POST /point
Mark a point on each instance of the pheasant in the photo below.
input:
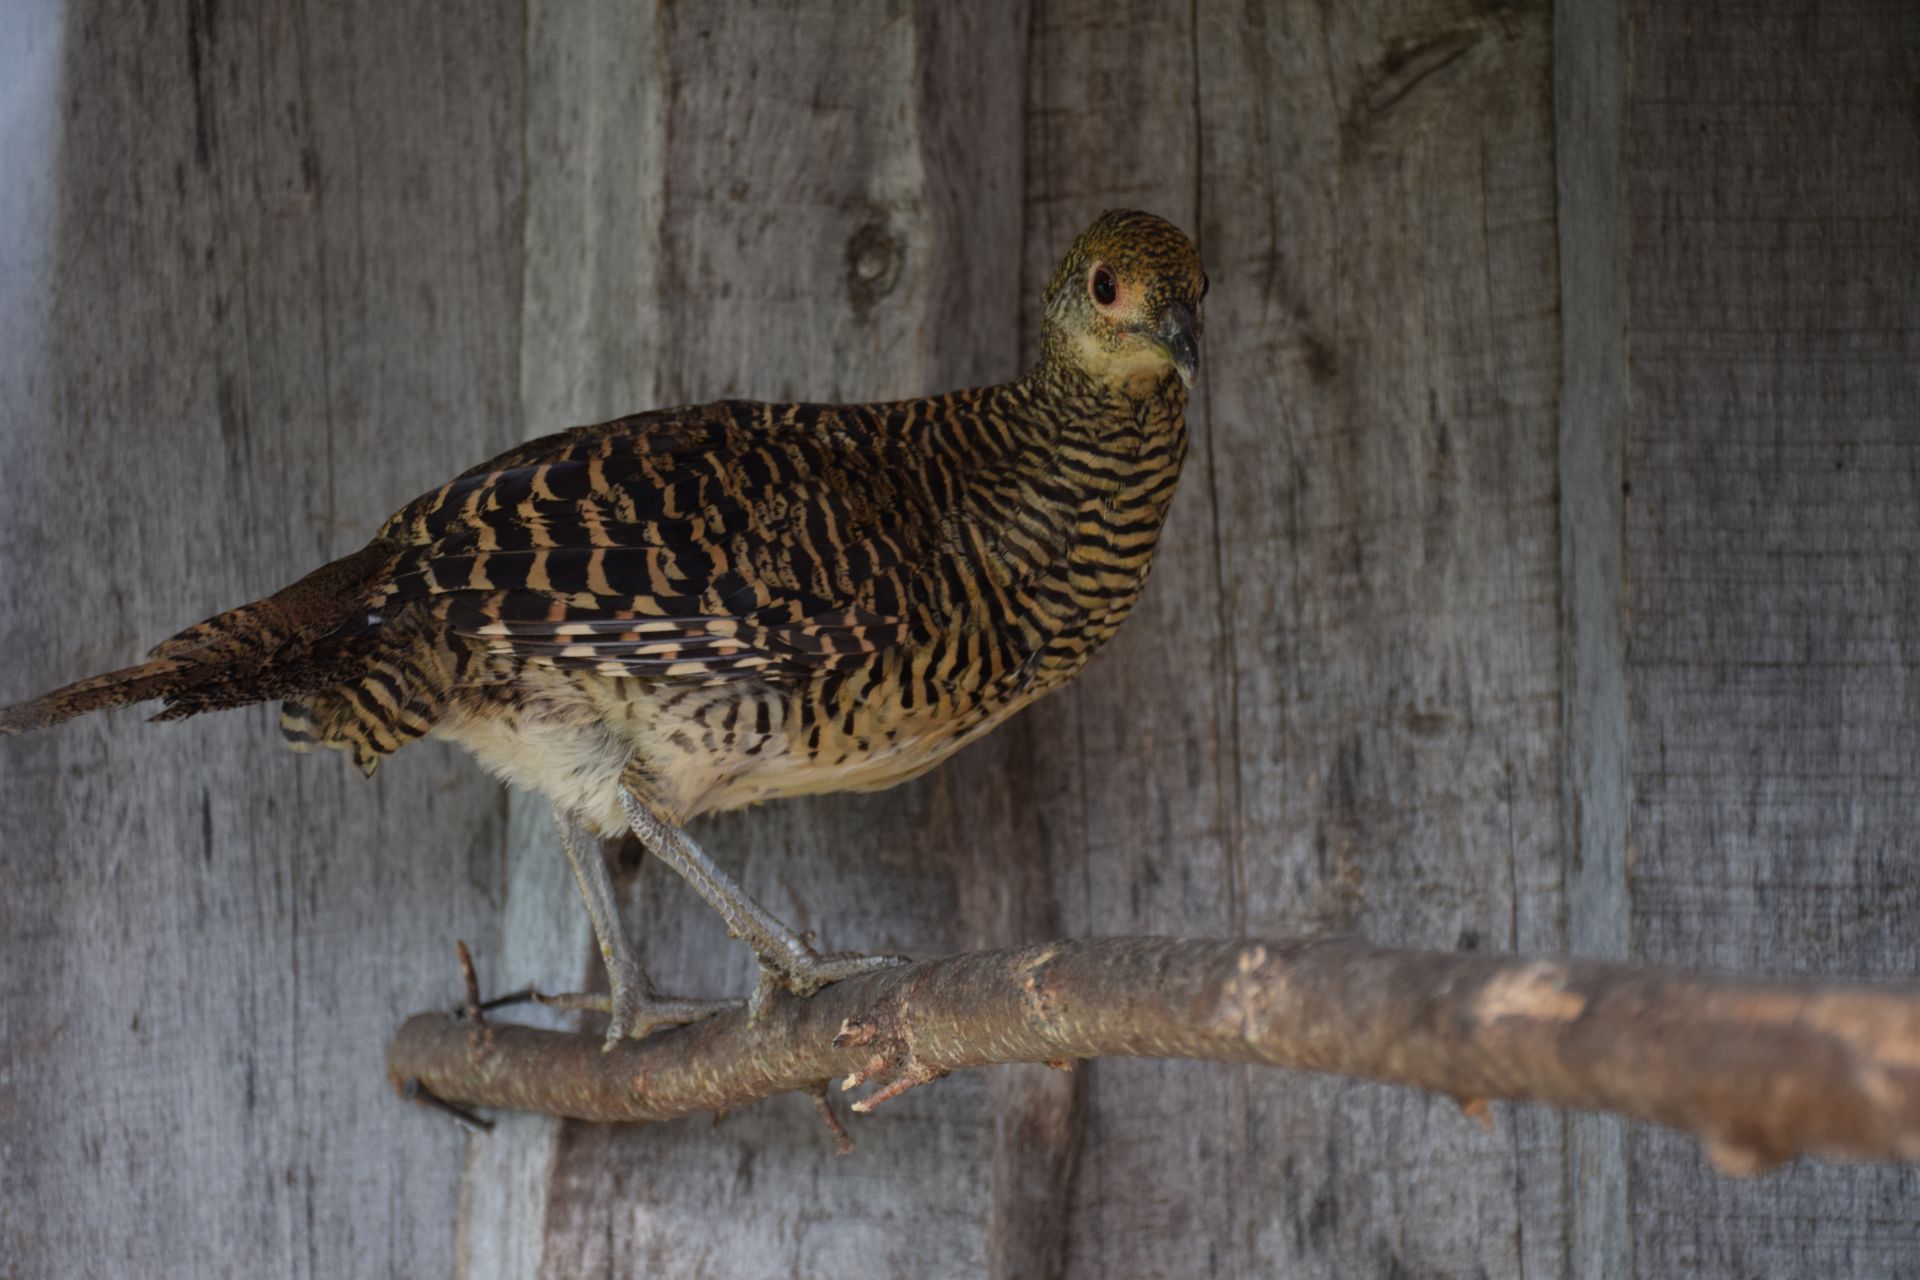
(695, 609)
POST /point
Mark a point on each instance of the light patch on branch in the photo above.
(1537, 991)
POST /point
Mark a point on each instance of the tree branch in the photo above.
(1760, 1070)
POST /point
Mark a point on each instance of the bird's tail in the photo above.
(161, 678)
(289, 643)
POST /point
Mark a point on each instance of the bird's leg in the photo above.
(786, 960)
(632, 1007)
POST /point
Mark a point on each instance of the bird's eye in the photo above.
(1105, 287)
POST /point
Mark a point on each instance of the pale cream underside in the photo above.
(571, 737)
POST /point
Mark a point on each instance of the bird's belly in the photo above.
(866, 734)
(872, 766)
(577, 739)
(553, 741)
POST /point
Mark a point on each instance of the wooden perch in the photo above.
(1760, 1070)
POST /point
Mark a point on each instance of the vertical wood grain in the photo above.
(1383, 358)
(804, 203)
(590, 332)
(283, 293)
(1774, 459)
(1130, 764)
(1590, 126)
(1474, 265)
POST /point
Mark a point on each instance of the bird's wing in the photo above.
(716, 543)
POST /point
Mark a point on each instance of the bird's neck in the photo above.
(1071, 510)
(1120, 431)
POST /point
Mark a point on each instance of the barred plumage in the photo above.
(699, 608)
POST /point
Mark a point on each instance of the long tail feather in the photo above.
(292, 642)
(161, 678)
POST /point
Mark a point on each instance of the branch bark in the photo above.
(1760, 1070)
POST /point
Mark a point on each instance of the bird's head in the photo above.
(1124, 308)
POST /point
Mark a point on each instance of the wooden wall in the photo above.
(1773, 560)
(1543, 577)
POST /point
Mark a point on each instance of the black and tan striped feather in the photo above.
(963, 551)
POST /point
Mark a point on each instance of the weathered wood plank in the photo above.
(283, 296)
(816, 203)
(1774, 459)
(590, 322)
(1129, 771)
(1590, 161)
(282, 291)
(1378, 214)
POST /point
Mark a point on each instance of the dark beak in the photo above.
(1179, 333)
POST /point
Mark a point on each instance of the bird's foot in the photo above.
(632, 1008)
(802, 971)
(788, 961)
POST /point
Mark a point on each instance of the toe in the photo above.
(803, 976)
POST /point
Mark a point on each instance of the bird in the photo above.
(696, 609)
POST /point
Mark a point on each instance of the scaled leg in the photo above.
(632, 1007)
(786, 960)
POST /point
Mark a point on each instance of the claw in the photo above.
(804, 972)
(632, 1009)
